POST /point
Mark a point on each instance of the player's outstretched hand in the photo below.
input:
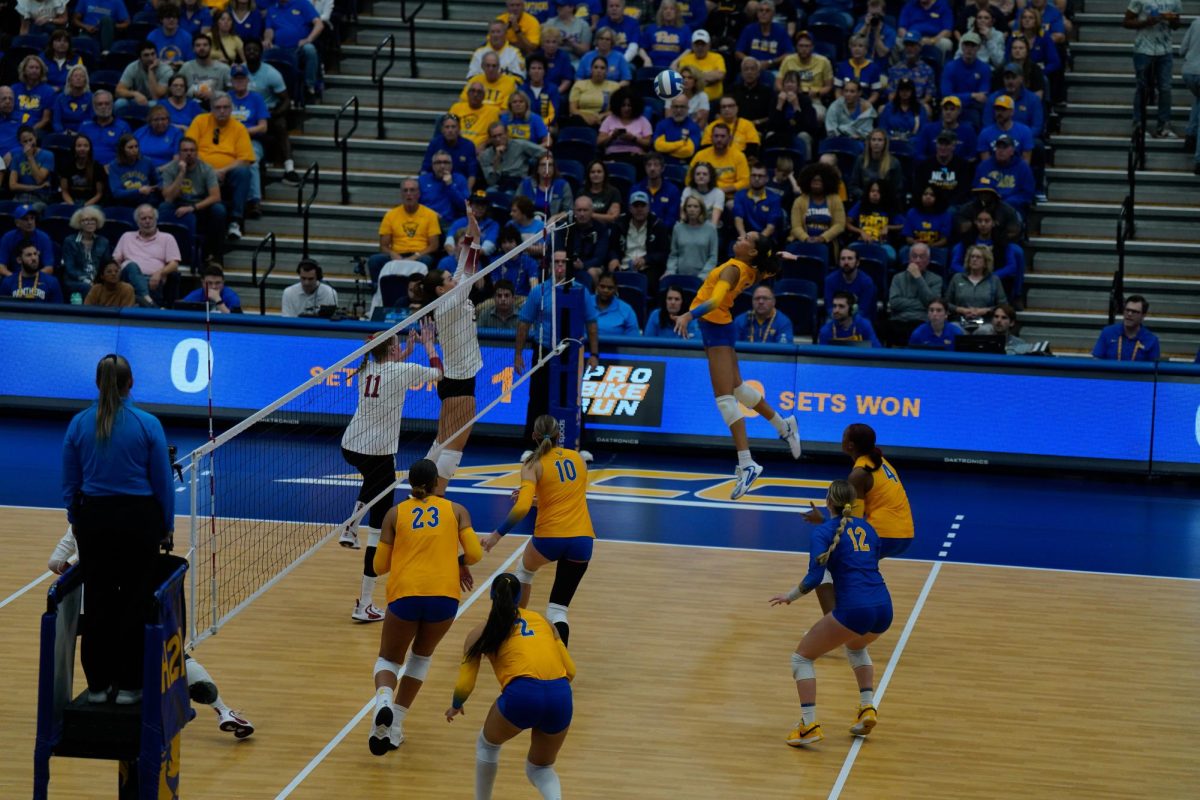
(453, 712)
(813, 515)
(489, 541)
(780, 599)
(681, 324)
(465, 579)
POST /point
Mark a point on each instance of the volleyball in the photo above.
(668, 83)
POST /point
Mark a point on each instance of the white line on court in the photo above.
(362, 712)
(31, 585)
(848, 764)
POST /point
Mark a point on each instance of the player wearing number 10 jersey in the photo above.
(370, 441)
(563, 531)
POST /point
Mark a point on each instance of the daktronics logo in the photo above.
(629, 393)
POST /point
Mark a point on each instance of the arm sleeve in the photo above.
(568, 662)
(470, 545)
(719, 291)
(382, 563)
(468, 673)
(519, 509)
(819, 544)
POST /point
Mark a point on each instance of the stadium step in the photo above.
(1108, 57)
(408, 124)
(1112, 151)
(1098, 255)
(1080, 184)
(1058, 292)
(1156, 222)
(441, 63)
(1106, 119)
(1099, 87)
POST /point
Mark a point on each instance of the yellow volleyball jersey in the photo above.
(530, 651)
(886, 504)
(425, 552)
(562, 496)
(746, 276)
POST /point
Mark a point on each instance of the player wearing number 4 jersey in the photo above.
(563, 531)
(847, 546)
(418, 550)
(455, 319)
(370, 441)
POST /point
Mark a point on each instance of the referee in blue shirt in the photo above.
(120, 499)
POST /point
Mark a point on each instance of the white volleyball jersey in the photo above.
(382, 388)
(455, 318)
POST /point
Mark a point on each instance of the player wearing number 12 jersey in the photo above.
(370, 441)
(563, 531)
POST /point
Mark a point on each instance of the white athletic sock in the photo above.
(219, 706)
(289, 165)
(545, 780)
(778, 424)
(744, 459)
(357, 520)
(383, 697)
(485, 771)
(866, 696)
(400, 711)
(808, 713)
(368, 588)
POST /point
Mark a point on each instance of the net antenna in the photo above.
(278, 485)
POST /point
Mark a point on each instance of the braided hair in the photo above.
(841, 497)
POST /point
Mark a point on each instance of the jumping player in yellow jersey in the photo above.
(884, 502)
(534, 670)
(753, 260)
(563, 531)
(418, 550)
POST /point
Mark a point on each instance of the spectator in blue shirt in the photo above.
(195, 17)
(928, 220)
(26, 232)
(615, 317)
(765, 39)
(627, 35)
(132, 179)
(880, 36)
(444, 190)
(295, 25)
(664, 195)
(172, 41)
(10, 120)
(248, 22)
(103, 129)
(101, 19)
(489, 229)
(73, 106)
(933, 20)
(30, 174)
(158, 139)
(28, 282)
(120, 499)
(677, 136)
(849, 278)
(1011, 176)
(1128, 340)
(693, 13)
(845, 324)
(461, 150)
(214, 292)
(250, 109)
(618, 68)
(1027, 106)
(951, 120)
(34, 96)
(936, 332)
(519, 270)
(912, 67)
(1003, 123)
(968, 78)
(661, 322)
(755, 208)
(667, 38)
(560, 72)
(867, 71)
(544, 97)
(763, 322)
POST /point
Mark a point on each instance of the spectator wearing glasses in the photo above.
(763, 322)
(224, 144)
(845, 324)
(677, 136)
(213, 291)
(103, 130)
(745, 136)
(756, 209)
(409, 232)
(295, 25)
(1129, 339)
(462, 151)
(154, 256)
(474, 116)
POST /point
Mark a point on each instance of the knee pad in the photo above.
(523, 575)
(201, 687)
(727, 404)
(566, 581)
(802, 668)
(383, 665)
(417, 667)
(747, 395)
(858, 658)
(556, 613)
(447, 463)
(373, 535)
(485, 751)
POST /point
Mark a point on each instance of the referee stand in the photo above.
(143, 738)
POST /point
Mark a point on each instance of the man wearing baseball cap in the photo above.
(26, 232)
(1020, 135)
(640, 242)
(1011, 176)
(985, 197)
(710, 65)
(931, 20)
(1027, 106)
(968, 78)
(947, 172)
(964, 132)
(250, 109)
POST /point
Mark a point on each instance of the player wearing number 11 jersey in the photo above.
(563, 531)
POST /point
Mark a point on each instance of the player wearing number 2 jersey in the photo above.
(418, 550)
(370, 441)
(563, 531)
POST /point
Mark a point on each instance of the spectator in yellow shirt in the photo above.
(474, 115)
(524, 32)
(816, 73)
(409, 232)
(745, 135)
(224, 145)
(710, 65)
(496, 85)
(733, 171)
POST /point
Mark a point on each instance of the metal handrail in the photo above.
(377, 77)
(445, 9)
(262, 285)
(303, 206)
(343, 143)
(1116, 292)
(411, 21)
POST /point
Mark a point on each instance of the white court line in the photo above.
(848, 764)
(31, 585)
(362, 712)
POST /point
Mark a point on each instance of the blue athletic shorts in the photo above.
(424, 609)
(572, 548)
(893, 547)
(872, 619)
(716, 334)
(533, 703)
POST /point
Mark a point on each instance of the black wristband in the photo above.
(462, 559)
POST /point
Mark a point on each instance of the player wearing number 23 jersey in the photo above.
(424, 557)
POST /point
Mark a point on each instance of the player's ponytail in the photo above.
(429, 285)
(841, 497)
(423, 478)
(506, 597)
(862, 437)
(545, 433)
(377, 353)
(766, 261)
(114, 378)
